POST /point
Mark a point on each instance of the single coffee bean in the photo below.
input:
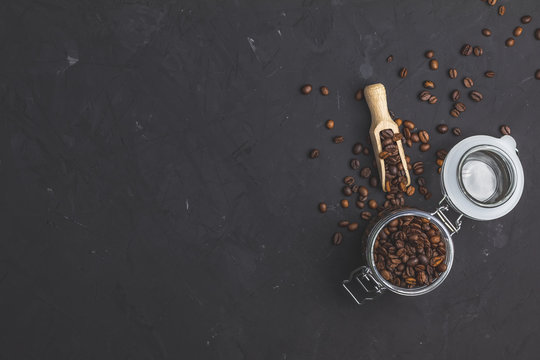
(429, 84)
(323, 207)
(492, 2)
(455, 95)
(459, 106)
(410, 190)
(489, 74)
(442, 128)
(424, 95)
(433, 64)
(421, 181)
(439, 162)
(415, 138)
(517, 31)
(306, 89)
(359, 94)
(348, 180)
(353, 226)
(373, 181)
(478, 51)
(337, 238)
(330, 124)
(428, 196)
(432, 99)
(441, 153)
(418, 168)
(344, 203)
(424, 136)
(526, 19)
(476, 96)
(365, 172)
(466, 50)
(324, 91)
(372, 204)
(363, 191)
(425, 147)
(347, 191)
(502, 10)
(357, 148)
(537, 34)
(429, 54)
(397, 137)
(355, 164)
(510, 42)
(338, 139)
(360, 204)
(468, 82)
(355, 188)
(407, 133)
(454, 113)
(384, 154)
(365, 151)
(452, 73)
(409, 124)
(403, 73)
(389, 59)
(486, 32)
(343, 223)
(398, 121)
(423, 190)
(537, 74)
(456, 131)
(366, 215)
(505, 130)
(313, 154)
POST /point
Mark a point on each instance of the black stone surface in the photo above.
(158, 202)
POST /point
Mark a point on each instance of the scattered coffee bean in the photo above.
(415, 138)
(357, 148)
(425, 147)
(365, 151)
(421, 181)
(398, 121)
(456, 131)
(424, 136)
(441, 153)
(452, 73)
(329, 124)
(363, 191)
(418, 168)
(476, 96)
(360, 204)
(505, 130)
(442, 128)
(403, 73)
(324, 91)
(468, 82)
(323, 207)
(537, 34)
(353, 226)
(428, 195)
(313, 154)
(424, 95)
(372, 204)
(478, 51)
(510, 42)
(486, 32)
(439, 162)
(355, 164)
(429, 54)
(348, 180)
(537, 74)
(517, 31)
(410, 190)
(502, 10)
(466, 50)
(455, 95)
(454, 113)
(373, 181)
(492, 2)
(347, 191)
(365, 172)
(432, 99)
(389, 59)
(337, 238)
(429, 84)
(489, 74)
(306, 89)
(343, 223)
(366, 215)
(433, 64)
(338, 139)
(459, 106)
(409, 124)
(526, 19)
(344, 203)
(355, 188)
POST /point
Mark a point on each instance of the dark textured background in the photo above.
(158, 203)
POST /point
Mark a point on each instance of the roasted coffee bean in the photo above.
(343, 223)
(329, 124)
(366, 215)
(408, 142)
(337, 238)
(441, 267)
(353, 226)
(510, 42)
(436, 260)
(537, 34)
(452, 73)
(344, 203)
(313, 154)
(410, 190)
(322, 207)
(454, 113)
(526, 19)
(441, 153)
(365, 151)
(424, 136)
(423, 190)
(389, 59)
(455, 95)
(360, 204)
(442, 128)
(424, 95)
(476, 96)
(403, 73)
(415, 138)
(492, 2)
(433, 64)
(363, 191)
(429, 54)
(372, 204)
(456, 131)
(357, 148)
(517, 31)
(478, 51)
(502, 10)
(384, 154)
(355, 164)
(324, 91)
(338, 139)
(398, 121)
(397, 137)
(306, 89)
(409, 125)
(489, 74)
(373, 181)
(537, 74)
(432, 99)
(468, 82)
(486, 32)
(466, 50)
(365, 172)
(428, 84)
(425, 147)
(428, 196)
(505, 129)
(439, 162)
(347, 191)
(459, 106)
(359, 94)
(355, 188)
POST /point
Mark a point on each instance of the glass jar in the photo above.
(481, 179)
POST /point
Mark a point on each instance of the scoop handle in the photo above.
(376, 99)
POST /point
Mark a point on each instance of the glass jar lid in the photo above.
(482, 177)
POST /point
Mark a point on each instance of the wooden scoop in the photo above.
(380, 120)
